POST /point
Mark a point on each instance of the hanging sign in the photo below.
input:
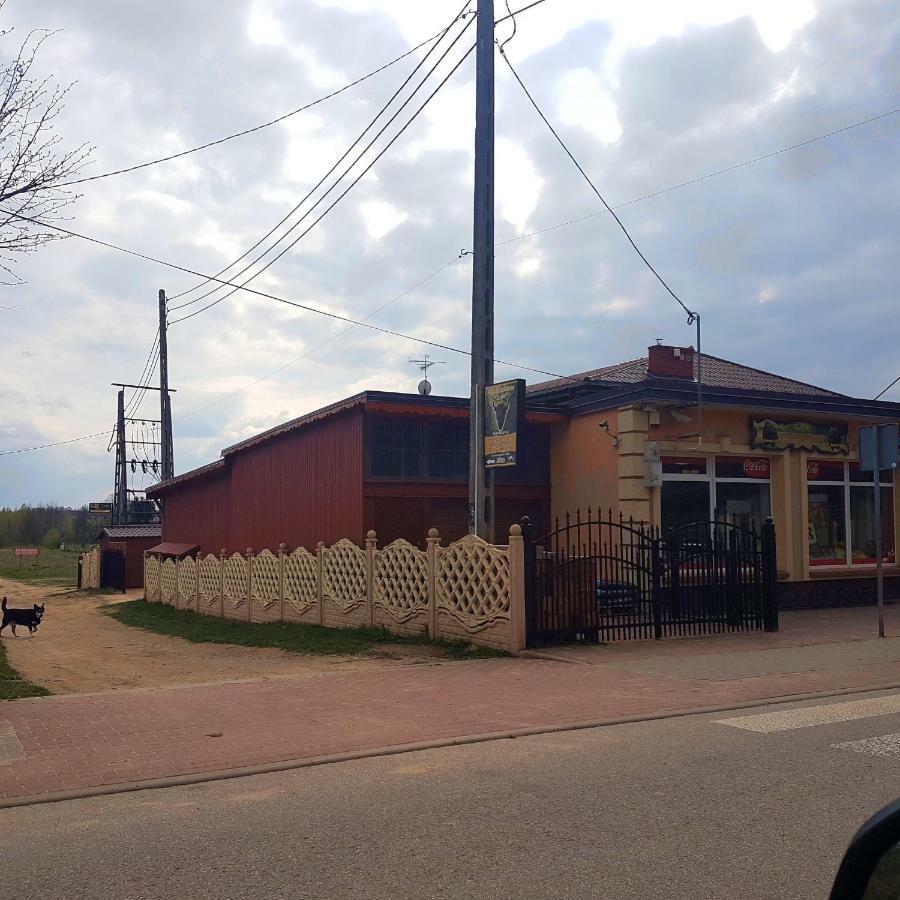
(504, 414)
(822, 437)
(101, 508)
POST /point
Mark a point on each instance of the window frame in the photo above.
(847, 484)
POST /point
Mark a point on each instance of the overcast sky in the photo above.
(792, 261)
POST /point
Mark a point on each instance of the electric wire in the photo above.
(690, 314)
(879, 396)
(328, 209)
(260, 127)
(340, 177)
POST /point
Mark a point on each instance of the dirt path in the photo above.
(78, 649)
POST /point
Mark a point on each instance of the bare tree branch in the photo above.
(32, 164)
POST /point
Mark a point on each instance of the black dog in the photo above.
(28, 617)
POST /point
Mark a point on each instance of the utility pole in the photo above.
(120, 492)
(165, 403)
(481, 481)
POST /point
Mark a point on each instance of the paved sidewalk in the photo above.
(82, 741)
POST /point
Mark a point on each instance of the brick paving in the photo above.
(82, 741)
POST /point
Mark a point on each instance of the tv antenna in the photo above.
(424, 364)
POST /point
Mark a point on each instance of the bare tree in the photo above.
(34, 169)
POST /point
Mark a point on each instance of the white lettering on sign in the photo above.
(756, 467)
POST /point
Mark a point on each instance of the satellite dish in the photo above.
(424, 387)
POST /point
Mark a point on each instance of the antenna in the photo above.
(424, 364)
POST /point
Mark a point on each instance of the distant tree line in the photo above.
(46, 526)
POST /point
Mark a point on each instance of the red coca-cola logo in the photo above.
(756, 467)
(813, 469)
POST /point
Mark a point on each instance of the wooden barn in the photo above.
(396, 463)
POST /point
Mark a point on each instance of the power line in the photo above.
(706, 177)
(321, 344)
(340, 197)
(337, 182)
(878, 396)
(84, 437)
(690, 314)
(237, 134)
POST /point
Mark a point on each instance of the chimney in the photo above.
(671, 362)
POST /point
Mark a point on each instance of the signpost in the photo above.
(27, 553)
(504, 412)
(878, 449)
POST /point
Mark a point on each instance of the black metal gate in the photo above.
(603, 579)
(112, 569)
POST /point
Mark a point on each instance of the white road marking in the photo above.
(11, 747)
(809, 716)
(885, 746)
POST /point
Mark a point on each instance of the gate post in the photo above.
(770, 576)
(529, 575)
(656, 572)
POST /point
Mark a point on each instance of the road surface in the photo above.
(753, 804)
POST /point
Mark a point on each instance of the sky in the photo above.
(791, 260)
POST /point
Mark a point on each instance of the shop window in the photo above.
(683, 465)
(827, 527)
(684, 502)
(841, 510)
(743, 504)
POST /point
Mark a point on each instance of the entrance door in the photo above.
(683, 503)
(112, 570)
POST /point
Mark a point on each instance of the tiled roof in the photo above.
(119, 532)
(716, 373)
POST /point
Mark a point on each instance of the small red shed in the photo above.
(131, 541)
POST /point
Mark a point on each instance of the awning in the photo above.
(169, 548)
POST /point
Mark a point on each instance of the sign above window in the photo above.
(742, 467)
(821, 437)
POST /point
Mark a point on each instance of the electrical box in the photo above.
(652, 465)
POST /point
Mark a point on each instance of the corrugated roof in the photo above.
(119, 532)
(717, 372)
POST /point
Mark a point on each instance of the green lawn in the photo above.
(12, 685)
(292, 637)
(52, 567)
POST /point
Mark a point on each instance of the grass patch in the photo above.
(293, 637)
(54, 567)
(12, 685)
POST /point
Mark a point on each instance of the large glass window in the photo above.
(684, 502)
(841, 512)
(741, 503)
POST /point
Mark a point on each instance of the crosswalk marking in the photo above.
(885, 746)
(809, 716)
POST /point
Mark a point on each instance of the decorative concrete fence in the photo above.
(469, 590)
(89, 569)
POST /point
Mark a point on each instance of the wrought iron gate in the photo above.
(603, 579)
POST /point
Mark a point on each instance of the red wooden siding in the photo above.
(301, 488)
(134, 556)
(196, 512)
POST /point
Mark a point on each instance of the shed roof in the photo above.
(172, 548)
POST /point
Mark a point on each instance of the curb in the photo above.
(397, 749)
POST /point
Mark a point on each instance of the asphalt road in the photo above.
(689, 807)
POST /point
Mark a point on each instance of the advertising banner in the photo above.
(504, 414)
(821, 437)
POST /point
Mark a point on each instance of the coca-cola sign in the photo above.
(756, 467)
(813, 469)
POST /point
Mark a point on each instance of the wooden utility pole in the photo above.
(481, 481)
(165, 403)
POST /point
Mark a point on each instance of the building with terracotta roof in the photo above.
(670, 438)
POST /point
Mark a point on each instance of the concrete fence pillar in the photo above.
(249, 584)
(431, 549)
(371, 547)
(516, 589)
(282, 552)
(320, 579)
(222, 557)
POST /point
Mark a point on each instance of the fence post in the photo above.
(517, 590)
(282, 549)
(656, 574)
(177, 583)
(223, 556)
(431, 546)
(320, 587)
(371, 545)
(770, 576)
(528, 574)
(249, 584)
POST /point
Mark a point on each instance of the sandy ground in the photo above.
(78, 649)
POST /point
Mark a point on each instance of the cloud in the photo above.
(789, 260)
